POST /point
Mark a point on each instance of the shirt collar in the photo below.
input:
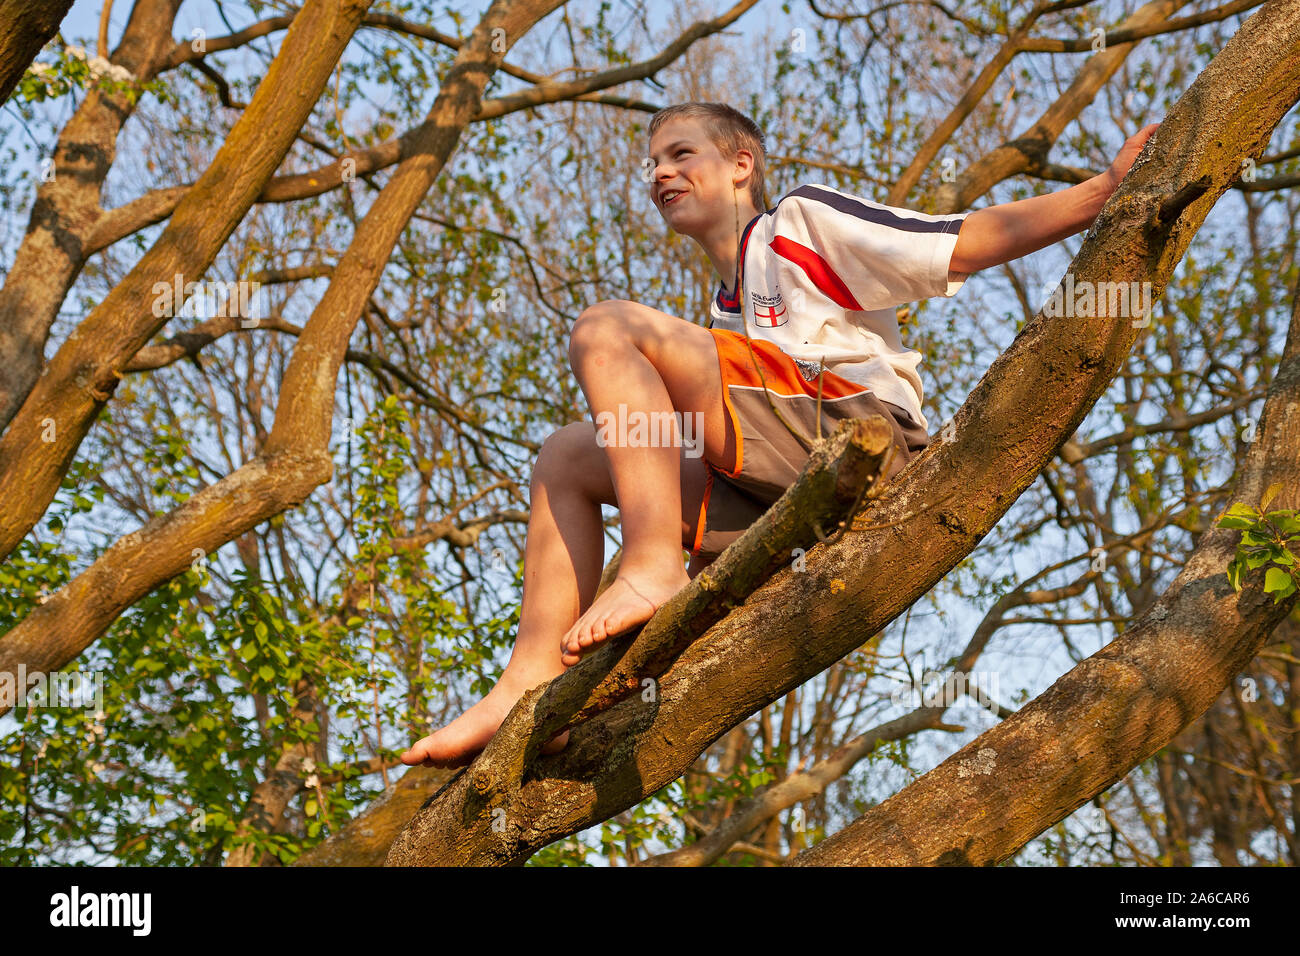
(731, 302)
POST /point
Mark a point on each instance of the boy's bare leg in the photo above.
(634, 360)
(563, 559)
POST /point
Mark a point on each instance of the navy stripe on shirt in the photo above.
(874, 214)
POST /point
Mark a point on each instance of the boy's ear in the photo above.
(746, 158)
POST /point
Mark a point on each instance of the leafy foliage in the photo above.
(1271, 538)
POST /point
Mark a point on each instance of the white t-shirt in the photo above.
(822, 272)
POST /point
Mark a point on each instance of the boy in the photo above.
(814, 283)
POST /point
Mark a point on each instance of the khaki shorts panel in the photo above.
(773, 457)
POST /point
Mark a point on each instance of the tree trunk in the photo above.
(66, 211)
(44, 435)
(25, 27)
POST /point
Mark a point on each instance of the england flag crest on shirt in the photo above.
(769, 310)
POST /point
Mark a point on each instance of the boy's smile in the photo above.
(689, 172)
(698, 191)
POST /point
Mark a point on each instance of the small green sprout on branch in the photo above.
(1272, 538)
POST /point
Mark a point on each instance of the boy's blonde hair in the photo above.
(731, 131)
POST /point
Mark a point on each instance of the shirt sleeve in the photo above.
(862, 254)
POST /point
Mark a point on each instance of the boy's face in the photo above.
(692, 184)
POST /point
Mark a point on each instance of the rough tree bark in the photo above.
(921, 526)
(25, 27)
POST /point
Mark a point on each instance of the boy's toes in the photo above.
(422, 754)
(416, 754)
(570, 640)
(618, 623)
(569, 653)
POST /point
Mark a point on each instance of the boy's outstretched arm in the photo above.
(998, 234)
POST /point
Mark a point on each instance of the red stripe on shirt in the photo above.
(818, 270)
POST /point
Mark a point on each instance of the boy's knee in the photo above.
(564, 451)
(597, 325)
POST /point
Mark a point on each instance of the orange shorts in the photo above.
(768, 457)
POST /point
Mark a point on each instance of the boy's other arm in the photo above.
(997, 234)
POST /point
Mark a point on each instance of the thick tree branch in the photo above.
(53, 250)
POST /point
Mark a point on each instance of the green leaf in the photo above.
(1240, 510)
(1287, 524)
(266, 672)
(1257, 560)
(1226, 522)
(1278, 582)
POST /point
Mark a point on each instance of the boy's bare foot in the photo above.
(630, 600)
(458, 743)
